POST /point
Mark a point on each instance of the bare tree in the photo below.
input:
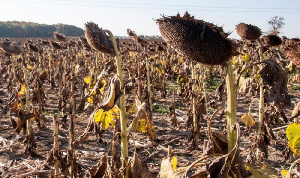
(277, 24)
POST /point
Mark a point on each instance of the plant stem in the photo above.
(28, 121)
(40, 63)
(149, 89)
(174, 120)
(261, 111)
(194, 100)
(97, 65)
(123, 118)
(139, 77)
(13, 65)
(56, 146)
(231, 106)
(72, 123)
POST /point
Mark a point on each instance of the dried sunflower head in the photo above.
(33, 47)
(195, 39)
(274, 76)
(98, 39)
(45, 42)
(55, 45)
(292, 51)
(248, 31)
(84, 43)
(11, 47)
(130, 32)
(59, 36)
(272, 40)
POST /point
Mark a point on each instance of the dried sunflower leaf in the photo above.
(139, 169)
(293, 135)
(248, 119)
(22, 91)
(106, 118)
(99, 169)
(142, 122)
(230, 164)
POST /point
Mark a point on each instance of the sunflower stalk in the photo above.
(56, 146)
(13, 65)
(123, 118)
(97, 64)
(29, 141)
(149, 88)
(72, 121)
(194, 105)
(261, 111)
(40, 63)
(50, 66)
(231, 113)
(139, 77)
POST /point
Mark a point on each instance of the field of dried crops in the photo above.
(143, 109)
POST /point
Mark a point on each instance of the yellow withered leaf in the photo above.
(88, 79)
(265, 171)
(139, 125)
(235, 60)
(174, 162)
(133, 109)
(245, 57)
(181, 80)
(284, 172)
(29, 67)
(160, 71)
(58, 62)
(180, 60)
(293, 135)
(22, 91)
(142, 123)
(104, 82)
(106, 118)
(90, 99)
(248, 119)
(161, 62)
(132, 53)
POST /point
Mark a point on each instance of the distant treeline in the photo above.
(17, 29)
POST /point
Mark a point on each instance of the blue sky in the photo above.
(139, 15)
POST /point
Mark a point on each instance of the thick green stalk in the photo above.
(123, 119)
(231, 106)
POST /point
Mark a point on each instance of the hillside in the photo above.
(22, 29)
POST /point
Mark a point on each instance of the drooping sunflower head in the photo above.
(196, 39)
